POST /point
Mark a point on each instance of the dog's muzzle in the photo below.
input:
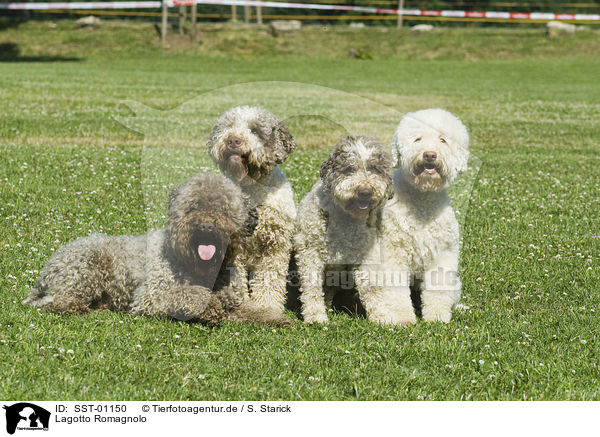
(209, 245)
(363, 198)
(235, 158)
(361, 202)
(428, 165)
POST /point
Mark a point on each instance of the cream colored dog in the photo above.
(420, 233)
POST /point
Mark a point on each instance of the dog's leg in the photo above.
(311, 270)
(441, 288)
(185, 303)
(243, 309)
(384, 291)
(271, 258)
(328, 295)
(239, 278)
(268, 280)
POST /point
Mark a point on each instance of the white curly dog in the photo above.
(420, 233)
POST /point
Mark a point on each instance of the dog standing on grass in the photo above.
(420, 238)
(248, 144)
(182, 272)
(339, 222)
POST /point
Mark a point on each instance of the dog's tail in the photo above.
(38, 295)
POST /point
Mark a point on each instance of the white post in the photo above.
(194, 21)
(246, 14)
(181, 18)
(164, 22)
(400, 8)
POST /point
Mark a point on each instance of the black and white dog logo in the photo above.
(26, 416)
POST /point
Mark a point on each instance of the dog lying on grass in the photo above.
(184, 271)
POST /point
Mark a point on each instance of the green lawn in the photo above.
(531, 235)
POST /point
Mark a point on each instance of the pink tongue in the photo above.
(206, 252)
(363, 204)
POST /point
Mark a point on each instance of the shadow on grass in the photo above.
(13, 19)
(344, 300)
(10, 52)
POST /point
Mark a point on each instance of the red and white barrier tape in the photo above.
(285, 5)
(82, 5)
(543, 16)
(408, 12)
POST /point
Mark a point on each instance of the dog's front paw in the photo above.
(212, 315)
(316, 318)
(437, 315)
(251, 313)
(278, 319)
(398, 319)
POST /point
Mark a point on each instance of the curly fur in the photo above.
(248, 143)
(163, 273)
(420, 233)
(338, 221)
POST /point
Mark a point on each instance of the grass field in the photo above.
(531, 236)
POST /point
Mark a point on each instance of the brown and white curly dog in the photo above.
(338, 225)
(248, 144)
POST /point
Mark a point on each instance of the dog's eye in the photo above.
(348, 170)
(443, 140)
(256, 131)
(418, 139)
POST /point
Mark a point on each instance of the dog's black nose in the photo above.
(364, 193)
(233, 142)
(206, 227)
(429, 156)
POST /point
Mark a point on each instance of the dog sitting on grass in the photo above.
(182, 272)
(248, 144)
(420, 233)
(338, 224)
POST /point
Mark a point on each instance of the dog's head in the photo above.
(247, 143)
(431, 147)
(207, 217)
(358, 174)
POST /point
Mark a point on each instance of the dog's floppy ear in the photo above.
(395, 157)
(337, 154)
(251, 222)
(283, 142)
(390, 191)
(173, 196)
(326, 168)
(251, 217)
(464, 166)
(464, 153)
